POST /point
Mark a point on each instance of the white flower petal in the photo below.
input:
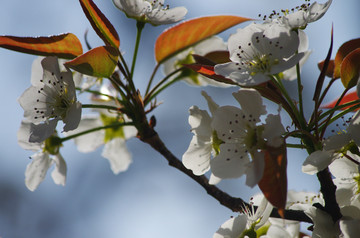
(117, 154)
(323, 224)
(197, 156)
(42, 131)
(230, 163)
(273, 130)
(251, 103)
(344, 168)
(317, 10)
(169, 16)
(36, 171)
(90, 141)
(317, 161)
(213, 180)
(211, 104)
(350, 228)
(200, 122)
(23, 136)
(73, 117)
(230, 123)
(232, 228)
(36, 71)
(59, 173)
(336, 142)
(255, 169)
(133, 8)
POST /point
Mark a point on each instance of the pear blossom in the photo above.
(152, 11)
(333, 147)
(246, 223)
(47, 154)
(290, 74)
(204, 142)
(305, 15)
(242, 134)
(211, 44)
(259, 51)
(347, 181)
(51, 97)
(113, 139)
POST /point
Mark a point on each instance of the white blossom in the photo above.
(204, 142)
(113, 139)
(152, 11)
(47, 154)
(242, 134)
(290, 74)
(259, 51)
(51, 98)
(305, 15)
(246, 223)
(333, 147)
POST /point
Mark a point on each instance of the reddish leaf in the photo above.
(219, 57)
(349, 97)
(208, 71)
(343, 51)
(66, 46)
(330, 70)
(100, 23)
(190, 32)
(97, 62)
(350, 69)
(273, 184)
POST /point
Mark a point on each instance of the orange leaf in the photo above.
(190, 32)
(330, 70)
(66, 46)
(343, 51)
(349, 97)
(273, 184)
(100, 23)
(350, 69)
(97, 62)
(208, 71)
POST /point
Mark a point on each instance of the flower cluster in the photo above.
(236, 137)
(228, 141)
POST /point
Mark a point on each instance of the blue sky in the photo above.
(150, 199)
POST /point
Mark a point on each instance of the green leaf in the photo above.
(350, 69)
(97, 62)
(100, 23)
(190, 32)
(66, 46)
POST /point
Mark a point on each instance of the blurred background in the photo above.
(151, 199)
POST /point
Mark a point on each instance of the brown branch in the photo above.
(149, 136)
(328, 189)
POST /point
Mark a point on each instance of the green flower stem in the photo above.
(339, 115)
(100, 106)
(95, 129)
(95, 92)
(300, 88)
(297, 146)
(153, 92)
(330, 119)
(126, 68)
(356, 105)
(280, 86)
(151, 78)
(140, 26)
